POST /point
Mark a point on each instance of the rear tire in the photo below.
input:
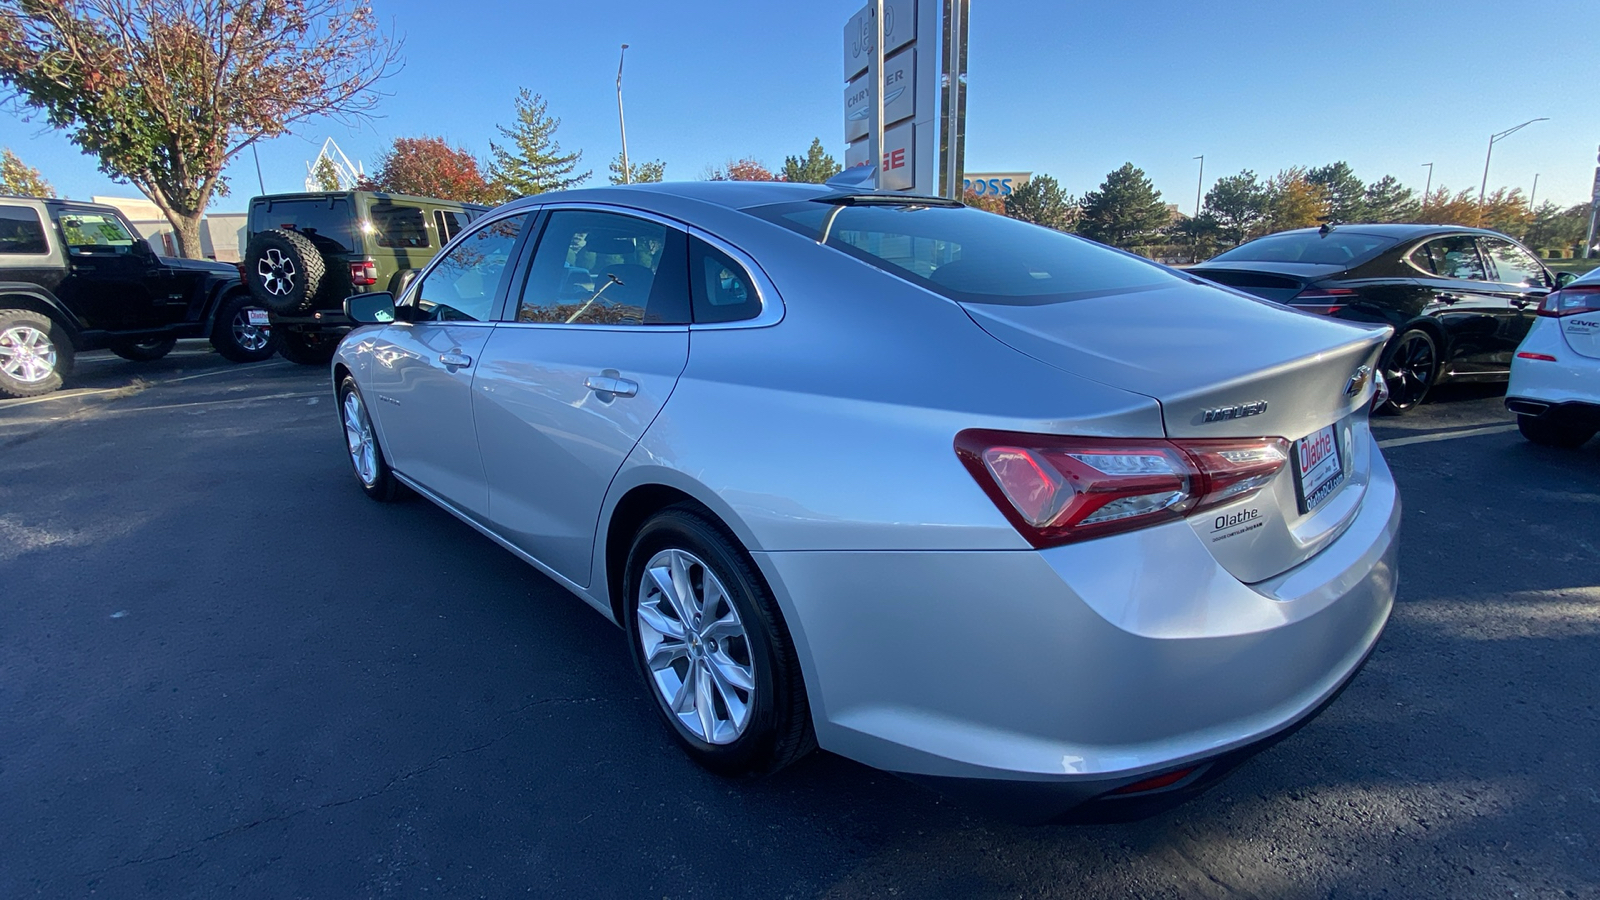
(733, 678)
(1410, 368)
(36, 354)
(309, 348)
(361, 444)
(1554, 433)
(235, 338)
(143, 351)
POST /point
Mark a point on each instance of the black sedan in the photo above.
(1460, 299)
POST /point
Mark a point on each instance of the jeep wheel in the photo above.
(35, 354)
(143, 351)
(239, 339)
(309, 348)
(283, 271)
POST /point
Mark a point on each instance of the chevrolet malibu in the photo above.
(969, 500)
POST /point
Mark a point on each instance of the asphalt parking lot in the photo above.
(223, 671)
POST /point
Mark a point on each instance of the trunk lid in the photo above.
(1222, 365)
(1277, 281)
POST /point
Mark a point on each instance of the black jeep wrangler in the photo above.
(76, 277)
(307, 252)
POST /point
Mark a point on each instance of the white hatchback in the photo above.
(1555, 377)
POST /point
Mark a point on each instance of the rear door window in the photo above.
(449, 224)
(21, 231)
(399, 227)
(325, 221)
(1455, 256)
(601, 268)
(1513, 265)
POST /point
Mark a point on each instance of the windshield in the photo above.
(1335, 248)
(969, 255)
(95, 233)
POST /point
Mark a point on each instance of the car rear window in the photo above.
(969, 255)
(1335, 248)
(325, 221)
(21, 231)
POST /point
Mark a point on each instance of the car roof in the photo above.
(729, 194)
(58, 201)
(386, 195)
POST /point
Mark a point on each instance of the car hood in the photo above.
(201, 265)
(1195, 348)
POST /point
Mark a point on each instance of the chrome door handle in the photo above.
(1448, 298)
(455, 360)
(605, 384)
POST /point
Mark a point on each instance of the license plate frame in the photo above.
(257, 317)
(1318, 461)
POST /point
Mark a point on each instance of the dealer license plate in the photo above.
(258, 317)
(1317, 467)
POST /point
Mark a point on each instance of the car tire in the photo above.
(308, 348)
(371, 467)
(1548, 432)
(283, 271)
(1410, 367)
(737, 668)
(143, 351)
(235, 338)
(36, 355)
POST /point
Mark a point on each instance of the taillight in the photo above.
(1323, 301)
(1571, 301)
(363, 274)
(1057, 489)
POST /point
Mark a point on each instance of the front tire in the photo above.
(309, 348)
(35, 354)
(361, 443)
(1553, 432)
(143, 351)
(1410, 368)
(236, 338)
(711, 645)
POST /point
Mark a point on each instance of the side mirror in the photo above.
(141, 249)
(1564, 278)
(370, 309)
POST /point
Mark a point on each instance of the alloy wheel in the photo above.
(277, 272)
(250, 337)
(696, 647)
(26, 354)
(358, 436)
(1410, 370)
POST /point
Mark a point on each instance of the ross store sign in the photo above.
(994, 184)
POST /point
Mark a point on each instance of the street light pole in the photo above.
(1429, 187)
(1200, 184)
(627, 173)
(1534, 194)
(1482, 187)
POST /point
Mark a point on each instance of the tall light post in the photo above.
(1534, 194)
(1199, 184)
(1428, 187)
(627, 173)
(1482, 187)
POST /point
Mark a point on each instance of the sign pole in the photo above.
(875, 84)
(953, 100)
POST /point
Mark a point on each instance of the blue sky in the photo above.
(1073, 89)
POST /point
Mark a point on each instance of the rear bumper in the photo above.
(1044, 679)
(1568, 386)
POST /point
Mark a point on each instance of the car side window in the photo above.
(463, 285)
(449, 223)
(721, 288)
(21, 231)
(1456, 257)
(1514, 265)
(399, 227)
(601, 268)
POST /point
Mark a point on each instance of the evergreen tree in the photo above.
(816, 168)
(20, 179)
(1041, 200)
(1555, 228)
(1126, 210)
(1346, 195)
(1235, 206)
(533, 163)
(325, 175)
(1387, 200)
(643, 172)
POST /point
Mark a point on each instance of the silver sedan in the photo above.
(965, 499)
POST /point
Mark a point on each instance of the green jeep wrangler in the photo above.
(307, 252)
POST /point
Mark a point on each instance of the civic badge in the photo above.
(1358, 381)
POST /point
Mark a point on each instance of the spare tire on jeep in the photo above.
(283, 270)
